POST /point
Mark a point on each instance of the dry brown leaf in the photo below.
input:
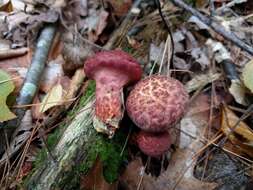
(99, 26)
(74, 52)
(238, 91)
(134, 175)
(179, 174)
(95, 179)
(51, 74)
(120, 7)
(56, 48)
(74, 85)
(17, 68)
(36, 114)
(242, 137)
(201, 80)
(6, 7)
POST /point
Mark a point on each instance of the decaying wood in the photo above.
(69, 152)
(73, 147)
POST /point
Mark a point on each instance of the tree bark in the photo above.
(68, 153)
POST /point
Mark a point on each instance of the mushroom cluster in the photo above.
(156, 104)
(111, 70)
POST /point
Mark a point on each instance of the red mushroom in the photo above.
(156, 103)
(111, 70)
(153, 144)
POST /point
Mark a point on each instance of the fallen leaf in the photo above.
(52, 98)
(74, 85)
(17, 68)
(201, 80)
(238, 91)
(242, 136)
(19, 5)
(155, 52)
(81, 7)
(52, 72)
(200, 57)
(6, 87)
(247, 75)
(97, 25)
(134, 175)
(25, 170)
(180, 63)
(7, 7)
(120, 7)
(36, 114)
(179, 174)
(95, 179)
(74, 52)
(201, 3)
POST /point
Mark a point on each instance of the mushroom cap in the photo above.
(116, 60)
(156, 103)
(153, 144)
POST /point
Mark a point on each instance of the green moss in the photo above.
(108, 150)
(129, 49)
(191, 2)
(54, 137)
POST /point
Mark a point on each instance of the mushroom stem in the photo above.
(109, 106)
(112, 70)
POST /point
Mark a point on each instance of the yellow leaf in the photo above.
(242, 136)
(7, 7)
(53, 98)
(6, 87)
(247, 75)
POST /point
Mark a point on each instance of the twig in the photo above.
(228, 5)
(32, 77)
(9, 53)
(215, 26)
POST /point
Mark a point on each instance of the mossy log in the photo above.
(74, 151)
(58, 170)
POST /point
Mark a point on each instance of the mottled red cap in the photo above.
(156, 103)
(153, 144)
(116, 60)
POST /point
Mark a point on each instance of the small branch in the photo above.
(9, 53)
(215, 26)
(230, 4)
(37, 66)
(33, 75)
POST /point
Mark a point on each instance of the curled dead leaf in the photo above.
(241, 136)
(95, 179)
